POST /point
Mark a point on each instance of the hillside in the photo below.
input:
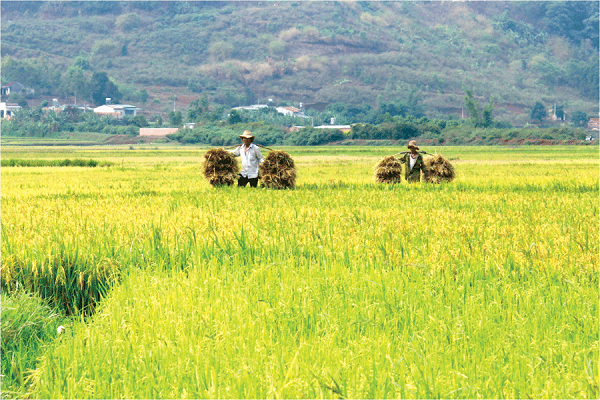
(420, 55)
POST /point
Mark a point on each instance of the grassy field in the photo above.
(57, 139)
(486, 287)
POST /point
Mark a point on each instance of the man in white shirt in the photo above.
(251, 158)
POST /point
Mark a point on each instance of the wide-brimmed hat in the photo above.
(247, 134)
(413, 144)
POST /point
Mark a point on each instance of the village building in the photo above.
(254, 107)
(16, 88)
(117, 110)
(288, 111)
(343, 128)
(7, 110)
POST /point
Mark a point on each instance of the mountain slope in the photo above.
(363, 53)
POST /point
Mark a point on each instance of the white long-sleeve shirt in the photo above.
(251, 158)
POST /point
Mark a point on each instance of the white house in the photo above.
(343, 128)
(254, 107)
(7, 110)
(287, 110)
(117, 110)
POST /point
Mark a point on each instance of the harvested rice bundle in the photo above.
(220, 167)
(439, 169)
(389, 170)
(278, 171)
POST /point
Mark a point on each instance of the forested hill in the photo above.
(422, 56)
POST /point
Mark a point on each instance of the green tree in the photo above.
(199, 109)
(144, 95)
(75, 83)
(234, 117)
(584, 75)
(82, 62)
(488, 119)
(579, 118)
(577, 20)
(175, 118)
(101, 87)
(39, 73)
(127, 22)
(472, 107)
(479, 118)
(538, 112)
(138, 120)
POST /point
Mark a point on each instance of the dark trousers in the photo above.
(243, 181)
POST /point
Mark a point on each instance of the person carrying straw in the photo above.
(414, 163)
(251, 158)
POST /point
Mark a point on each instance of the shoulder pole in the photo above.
(264, 147)
(404, 152)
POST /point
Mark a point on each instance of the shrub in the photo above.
(106, 48)
(128, 22)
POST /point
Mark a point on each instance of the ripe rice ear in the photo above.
(388, 170)
(278, 171)
(439, 169)
(220, 167)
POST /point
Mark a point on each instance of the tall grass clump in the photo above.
(71, 282)
(27, 323)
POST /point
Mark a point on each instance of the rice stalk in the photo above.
(278, 171)
(388, 170)
(220, 167)
(439, 169)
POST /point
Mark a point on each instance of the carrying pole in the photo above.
(259, 145)
(264, 147)
(404, 152)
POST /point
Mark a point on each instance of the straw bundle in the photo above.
(389, 170)
(439, 169)
(220, 167)
(278, 171)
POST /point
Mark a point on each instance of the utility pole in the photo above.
(173, 97)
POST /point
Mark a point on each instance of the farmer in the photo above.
(251, 157)
(414, 163)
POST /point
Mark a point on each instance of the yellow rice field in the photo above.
(484, 287)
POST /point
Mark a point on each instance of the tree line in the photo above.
(216, 125)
